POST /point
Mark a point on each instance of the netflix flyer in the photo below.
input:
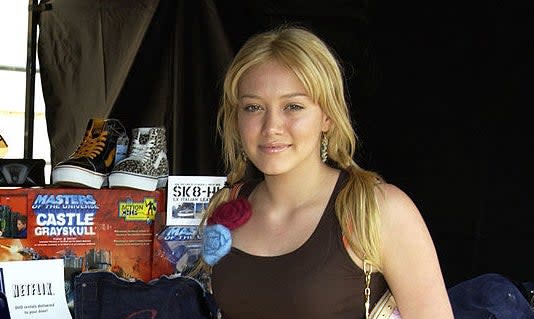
(34, 289)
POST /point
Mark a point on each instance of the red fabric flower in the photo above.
(231, 214)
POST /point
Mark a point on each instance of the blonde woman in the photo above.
(312, 215)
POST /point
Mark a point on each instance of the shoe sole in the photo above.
(70, 175)
(130, 180)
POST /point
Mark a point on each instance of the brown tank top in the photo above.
(317, 280)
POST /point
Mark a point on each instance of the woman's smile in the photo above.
(274, 148)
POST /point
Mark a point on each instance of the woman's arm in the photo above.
(409, 261)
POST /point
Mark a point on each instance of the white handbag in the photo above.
(386, 307)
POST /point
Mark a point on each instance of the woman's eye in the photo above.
(252, 107)
(293, 107)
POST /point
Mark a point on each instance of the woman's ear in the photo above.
(326, 123)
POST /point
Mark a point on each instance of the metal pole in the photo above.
(29, 114)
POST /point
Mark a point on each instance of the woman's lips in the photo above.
(274, 148)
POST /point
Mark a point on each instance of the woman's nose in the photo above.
(273, 122)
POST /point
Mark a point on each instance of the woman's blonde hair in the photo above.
(314, 63)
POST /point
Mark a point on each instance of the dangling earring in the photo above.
(244, 156)
(324, 147)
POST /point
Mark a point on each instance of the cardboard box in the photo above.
(177, 242)
(176, 250)
(109, 229)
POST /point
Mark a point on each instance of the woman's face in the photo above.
(279, 124)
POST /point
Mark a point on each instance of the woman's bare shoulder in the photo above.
(393, 202)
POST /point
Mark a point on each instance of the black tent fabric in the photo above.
(146, 63)
(435, 103)
(85, 50)
(174, 82)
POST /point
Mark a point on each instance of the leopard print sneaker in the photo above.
(146, 167)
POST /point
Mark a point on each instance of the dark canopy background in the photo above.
(438, 94)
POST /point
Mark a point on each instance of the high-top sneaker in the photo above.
(146, 166)
(91, 163)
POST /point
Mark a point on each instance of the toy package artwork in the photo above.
(88, 229)
(176, 250)
(105, 229)
(177, 241)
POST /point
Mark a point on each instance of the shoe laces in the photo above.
(91, 146)
(141, 151)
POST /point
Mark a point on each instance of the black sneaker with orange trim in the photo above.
(3, 147)
(93, 160)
